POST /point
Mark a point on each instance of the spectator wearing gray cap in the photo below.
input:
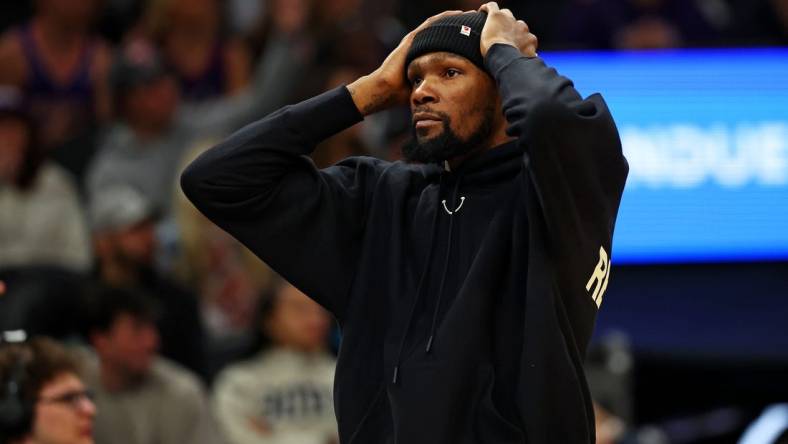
(123, 221)
(41, 218)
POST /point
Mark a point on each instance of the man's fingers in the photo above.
(489, 7)
(508, 13)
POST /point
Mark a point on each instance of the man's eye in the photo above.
(451, 72)
(416, 81)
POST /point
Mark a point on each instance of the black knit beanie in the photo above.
(459, 34)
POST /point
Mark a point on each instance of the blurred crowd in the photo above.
(184, 336)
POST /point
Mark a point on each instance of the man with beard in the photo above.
(467, 280)
(124, 239)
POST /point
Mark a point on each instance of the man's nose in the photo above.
(423, 93)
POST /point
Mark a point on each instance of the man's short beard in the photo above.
(447, 145)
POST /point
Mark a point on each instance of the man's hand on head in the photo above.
(387, 86)
(502, 27)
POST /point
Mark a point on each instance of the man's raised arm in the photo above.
(259, 186)
(305, 223)
(576, 169)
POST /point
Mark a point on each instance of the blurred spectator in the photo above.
(44, 245)
(609, 428)
(284, 18)
(42, 398)
(346, 33)
(206, 63)
(282, 395)
(641, 24)
(228, 277)
(609, 368)
(125, 243)
(144, 148)
(62, 69)
(355, 33)
(143, 399)
(41, 219)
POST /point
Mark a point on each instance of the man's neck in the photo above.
(113, 380)
(497, 139)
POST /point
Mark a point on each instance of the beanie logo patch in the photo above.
(465, 30)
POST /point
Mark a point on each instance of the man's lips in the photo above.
(421, 120)
(427, 122)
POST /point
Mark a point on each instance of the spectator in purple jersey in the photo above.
(206, 63)
(62, 69)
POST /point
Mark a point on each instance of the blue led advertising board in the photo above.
(706, 136)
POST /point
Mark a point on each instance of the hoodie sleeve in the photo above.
(260, 186)
(576, 168)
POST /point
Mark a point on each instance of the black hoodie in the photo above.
(466, 298)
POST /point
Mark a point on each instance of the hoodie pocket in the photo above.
(433, 403)
(490, 426)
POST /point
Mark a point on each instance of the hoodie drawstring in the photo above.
(419, 289)
(445, 266)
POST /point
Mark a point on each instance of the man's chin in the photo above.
(424, 141)
(434, 144)
(426, 135)
(419, 151)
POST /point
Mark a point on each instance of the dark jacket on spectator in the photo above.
(466, 327)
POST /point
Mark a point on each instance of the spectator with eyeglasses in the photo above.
(42, 397)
